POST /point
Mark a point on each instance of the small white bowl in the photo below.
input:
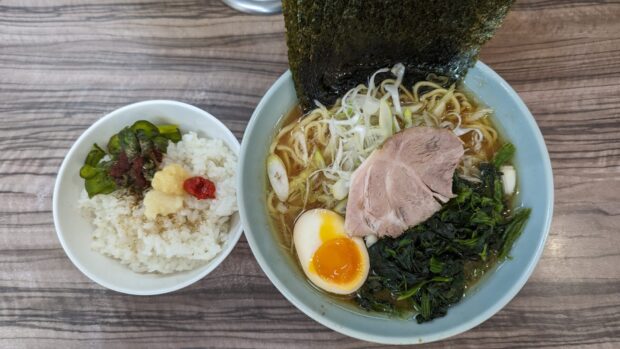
(74, 231)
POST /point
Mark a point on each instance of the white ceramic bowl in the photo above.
(487, 298)
(74, 231)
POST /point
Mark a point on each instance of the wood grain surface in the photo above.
(66, 63)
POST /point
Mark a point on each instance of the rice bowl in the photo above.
(183, 241)
(75, 231)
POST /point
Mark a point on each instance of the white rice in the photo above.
(182, 241)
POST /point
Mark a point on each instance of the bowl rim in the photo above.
(235, 232)
(417, 339)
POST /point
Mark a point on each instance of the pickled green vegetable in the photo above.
(114, 145)
(129, 142)
(161, 143)
(145, 127)
(88, 171)
(134, 155)
(171, 132)
(94, 155)
(101, 183)
(146, 144)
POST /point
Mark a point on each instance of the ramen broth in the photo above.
(284, 222)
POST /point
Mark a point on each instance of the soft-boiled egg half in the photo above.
(331, 259)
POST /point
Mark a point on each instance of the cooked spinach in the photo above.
(426, 269)
(503, 154)
(134, 155)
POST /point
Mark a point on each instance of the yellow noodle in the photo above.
(316, 134)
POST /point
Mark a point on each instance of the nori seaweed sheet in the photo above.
(336, 45)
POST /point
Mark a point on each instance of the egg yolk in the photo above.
(337, 260)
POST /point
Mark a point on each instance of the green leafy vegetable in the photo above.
(513, 231)
(503, 154)
(435, 266)
(414, 290)
(427, 269)
(134, 155)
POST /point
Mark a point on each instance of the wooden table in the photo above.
(66, 63)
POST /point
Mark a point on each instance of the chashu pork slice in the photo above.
(402, 183)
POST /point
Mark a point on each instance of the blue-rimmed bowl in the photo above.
(489, 296)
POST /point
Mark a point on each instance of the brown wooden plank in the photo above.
(64, 64)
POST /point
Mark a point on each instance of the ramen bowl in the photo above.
(491, 294)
